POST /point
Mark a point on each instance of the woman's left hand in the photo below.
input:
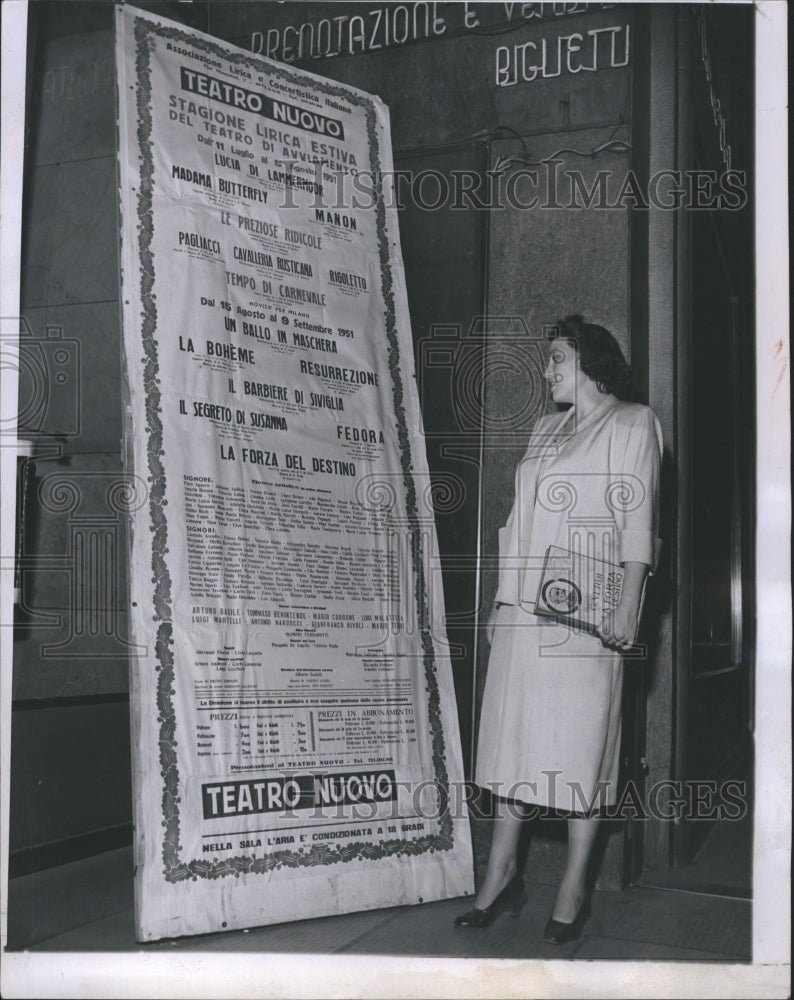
(619, 627)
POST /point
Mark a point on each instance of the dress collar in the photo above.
(571, 425)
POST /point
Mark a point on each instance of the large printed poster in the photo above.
(295, 742)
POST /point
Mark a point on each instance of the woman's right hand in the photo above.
(489, 627)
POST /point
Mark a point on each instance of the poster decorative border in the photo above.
(176, 870)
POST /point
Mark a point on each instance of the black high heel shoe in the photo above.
(558, 932)
(512, 897)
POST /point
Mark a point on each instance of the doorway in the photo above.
(710, 843)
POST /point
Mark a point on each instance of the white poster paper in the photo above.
(295, 741)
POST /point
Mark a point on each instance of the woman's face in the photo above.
(563, 372)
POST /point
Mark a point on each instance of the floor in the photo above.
(87, 906)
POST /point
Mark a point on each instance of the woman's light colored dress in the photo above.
(551, 713)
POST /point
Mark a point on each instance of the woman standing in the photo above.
(550, 721)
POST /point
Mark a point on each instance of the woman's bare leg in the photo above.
(581, 837)
(502, 860)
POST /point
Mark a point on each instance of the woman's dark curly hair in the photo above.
(599, 354)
